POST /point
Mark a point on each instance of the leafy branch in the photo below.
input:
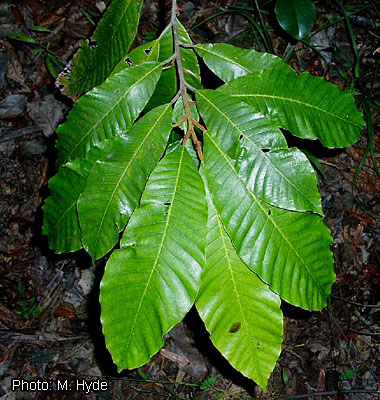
(183, 87)
(232, 237)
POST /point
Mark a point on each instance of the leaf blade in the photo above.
(112, 39)
(61, 223)
(159, 263)
(121, 174)
(282, 177)
(269, 240)
(107, 110)
(296, 17)
(304, 104)
(230, 62)
(233, 296)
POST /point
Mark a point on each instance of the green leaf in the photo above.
(288, 250)
(208, 383)
(282, 177)
(117, 180)
(308, 106)
(110, 42)
(23, 38)
(107, 110)
(296, 17)
(146, 52)
(51, 68)
(61, 223)
(167, 85)
(37, 28)
(189, 59)
(151, 283)
(230, 62)
(60, 214)
(242, 314)
(347, 375)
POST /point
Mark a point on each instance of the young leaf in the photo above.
(121, 174)
(111, 41)
(288, 250)
(179, 113)
(296, 17)
(151, 283)
(107, 110)
(282, 177)
(242, 314)
(308, 106)
(230, 62)
(146, 52)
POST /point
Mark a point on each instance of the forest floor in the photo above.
(49, 310)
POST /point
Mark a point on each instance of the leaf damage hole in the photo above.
(167, 203)
(269, 212)
(235, 327)
(93, 44)
(128, 61)
(148, 50)
(241, 137)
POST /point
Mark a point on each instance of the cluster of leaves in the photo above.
(231, 226)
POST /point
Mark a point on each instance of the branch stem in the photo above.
(183, 85)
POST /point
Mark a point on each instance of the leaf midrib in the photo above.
(134, 155)
(95, 126)
(260, 150)
(158, 253)
(269, 217)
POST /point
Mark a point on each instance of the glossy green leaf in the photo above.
(241, 313)
(151, 283)
(121, 174)
(282, 177)
(146, 52)
(189, 59)
(61, 223)
(296, 17)
(230, 62)
(308, 106)
(166, 87)
(107, 110)
(110, 42)
(288, 250)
